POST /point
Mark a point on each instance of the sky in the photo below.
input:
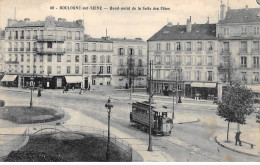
(120, 23)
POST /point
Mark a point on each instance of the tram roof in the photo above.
(157, 107)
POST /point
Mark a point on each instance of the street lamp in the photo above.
(108, 105)
(31, 86)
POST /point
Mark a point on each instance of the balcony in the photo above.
(226, 52)
(15, 49)
(42, 51)
(11, 62)
(256, 66)
(43, 38)
(255, 51)
(9, 37)
(34, 37)
(28, 37)
(234, 36)
(22, 37)
(16, 37)
(243, 52)
(77, 38)
(34, 49)
(28, 49)
(9, 49)
(69, 49)
(21, 49)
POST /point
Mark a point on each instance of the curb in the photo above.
(234, 149)
(189, 122)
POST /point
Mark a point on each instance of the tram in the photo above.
(161, 124)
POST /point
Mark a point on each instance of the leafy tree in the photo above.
(227, 70)
(236, 103)
(258, 116)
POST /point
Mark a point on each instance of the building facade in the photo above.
(185, 57)
(2, 52)
(129, 63)
(239, 35)
(97, 63)
(48, 51)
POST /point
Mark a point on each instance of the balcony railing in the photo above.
(15, 49)
(69, 49)
(77, 38)
(16, 37)
(28, 37)
(9, 49)
(256, 66)
(51, 38)
(243, 65)
(34, 49)
(50, 51)
(238, 36)
(226, 52)
(28, 49)
(34, 37)
(11, 62)
(21, 49)
(243, 51)
(9, 37)
(22, 37)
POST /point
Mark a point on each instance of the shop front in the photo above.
(10, 80)
(205, 91)
(74, 81)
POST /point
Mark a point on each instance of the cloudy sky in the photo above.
(130, 24)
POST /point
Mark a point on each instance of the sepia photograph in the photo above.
(130, 81)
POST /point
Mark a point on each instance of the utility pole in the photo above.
(150, 109)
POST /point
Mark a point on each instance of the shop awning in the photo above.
(203, 85)
(9, 78)
(254, 88)
(73, 79)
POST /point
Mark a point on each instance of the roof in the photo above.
(66, 24)
(2, 34)
(242, 16)
(178, 32)
(126, 40)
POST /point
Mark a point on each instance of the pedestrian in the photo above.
(89, 87)
(64, 89)
(238, 138)
(80, 91)
(39, 92)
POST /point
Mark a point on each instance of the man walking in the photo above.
(238, 138)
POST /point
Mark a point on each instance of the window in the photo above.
(210, 60)
(93, 81)
(34, 34)
(121, 51)
(41, 69)
(10, 57)
(86, 46)
(68, 58)
(188, 48)
(140, 62)
(28, 36)
(168, 46)
(256, 46)
(22, 57)
(158, 74)
(86, 58)
(158, 60)
(49, 69)
(49, 44)
(94, 47)
(226, 46)
(28, 57)
(77, 36)
(10, 68)
(243, 62)
(109, 69)
(16, 35)
(93, 69)
(86, 69)
(256, 77)
(101, 69)
(244, 30)
(210, 75)
(101, 46)
(58, 69)
(167, 60)
(199, 46)
(256, 30)
(58, 58)
(243, 47)
(77, 48)
(15, 68)
(34, 58)
(22, 34)
(178, 60)
(15, 57)
(21, 68)
(22, 46)
(188, 60)
(77, 69)
(199, 60)
(68, 69)
(69, 35)
(102, 59)
(198, 75)
(226, 31)
(69, 46)
(28, 46)
(121, 62)
(130, 51)
(28, 69)
(41, 58)
(77, 58)
(140, 51)
(34, 69)
(178, 46)
(158, 46)
(94, 58)
(188, 75)
(16, 46)
(108, 59)
(256, 62)
(49, 58)
(243, 76)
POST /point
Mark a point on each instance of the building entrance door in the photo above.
(86, 83)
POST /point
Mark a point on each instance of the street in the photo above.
(187, 142)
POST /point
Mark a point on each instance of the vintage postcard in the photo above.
(129, 81)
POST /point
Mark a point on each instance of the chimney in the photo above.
(222, 11)
(246, 7)
(208, 21)
(188, 26)
(26, 20)
(79, 22)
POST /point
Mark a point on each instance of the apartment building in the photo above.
(129, 63)
(97, 62)
(2, 50)
(239, 35)
(185, 57)
(48, 51)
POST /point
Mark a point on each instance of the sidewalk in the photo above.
(253, 138)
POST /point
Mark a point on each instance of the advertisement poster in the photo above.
(129, 81)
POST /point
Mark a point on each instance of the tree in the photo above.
(236, 103)
(227, 70)
(258, 116)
